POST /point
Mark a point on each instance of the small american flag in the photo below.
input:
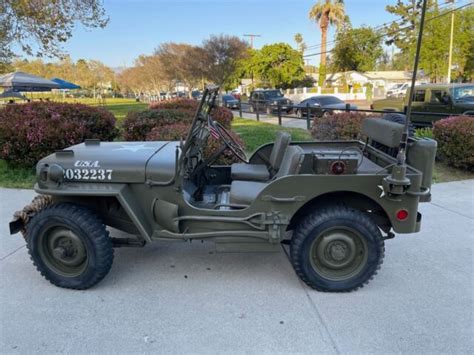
(212, 130)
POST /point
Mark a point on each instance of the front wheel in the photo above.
(69, 246)
(337, 249)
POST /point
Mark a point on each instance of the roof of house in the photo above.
(373, 75)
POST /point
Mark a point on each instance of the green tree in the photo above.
(326, 13)
(39, 27)
(435, 45)
(357, 49)
(300, 44)
(278, 65)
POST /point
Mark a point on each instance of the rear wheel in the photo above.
(69, 246)
(337, 249)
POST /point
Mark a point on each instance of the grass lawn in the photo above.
(119, 107)
(253, 133)
(21, 178)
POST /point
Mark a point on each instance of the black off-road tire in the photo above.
(312, 231)
(86, 227)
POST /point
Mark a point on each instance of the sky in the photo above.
(139, 26)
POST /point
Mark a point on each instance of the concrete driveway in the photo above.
(177, 297)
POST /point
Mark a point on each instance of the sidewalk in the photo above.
(172, 297)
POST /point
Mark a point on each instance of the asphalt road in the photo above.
(179, 297)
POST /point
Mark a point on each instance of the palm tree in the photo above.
(326, 13)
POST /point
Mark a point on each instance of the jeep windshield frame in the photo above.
(196, 140)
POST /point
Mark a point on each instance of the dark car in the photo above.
(268, 101)
(196, 94)
(321, 105)
(230, 101)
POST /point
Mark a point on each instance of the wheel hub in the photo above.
(338, 253)
(64, 251)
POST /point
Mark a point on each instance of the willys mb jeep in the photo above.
(333, 202)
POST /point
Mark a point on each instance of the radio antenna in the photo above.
(397, 182)
(401, 156)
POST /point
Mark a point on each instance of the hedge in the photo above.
(31, 131)
(170, 121)
(338, 126)
(455, 136)
(176, 132)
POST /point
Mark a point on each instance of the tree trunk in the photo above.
(324, 36)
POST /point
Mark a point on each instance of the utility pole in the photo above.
(252, 36)
(450, 43)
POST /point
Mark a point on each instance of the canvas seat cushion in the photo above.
(244, 192)
(254, 172)
(261, 172)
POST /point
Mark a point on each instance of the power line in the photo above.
(381, 26)
(397, 31)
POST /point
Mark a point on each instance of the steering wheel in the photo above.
(229, 141)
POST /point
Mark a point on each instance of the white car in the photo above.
(398, 90)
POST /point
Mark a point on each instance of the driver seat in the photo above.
(262, 172)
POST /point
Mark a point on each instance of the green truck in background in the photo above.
(432, 102)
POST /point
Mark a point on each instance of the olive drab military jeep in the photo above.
(333, 202)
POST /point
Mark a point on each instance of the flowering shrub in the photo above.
(170, 120)
(227, 157)
(343, 126)
(455, 136)
(220, 114)
(30, 131)
(178, 131)
(223, 115)
(138, 125)
(172, 132)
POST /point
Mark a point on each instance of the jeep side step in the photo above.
(128, 242)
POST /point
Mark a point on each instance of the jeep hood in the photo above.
(127, 162)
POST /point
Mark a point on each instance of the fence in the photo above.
(308, 113)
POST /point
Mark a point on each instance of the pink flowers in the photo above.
(33, 130)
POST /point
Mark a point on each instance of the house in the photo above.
(379, 79)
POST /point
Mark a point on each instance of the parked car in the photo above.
(196, 95)
(230, 101)
(236, 94)
(398, 90)
(432, 99)
(268, 101)
(321, 105)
